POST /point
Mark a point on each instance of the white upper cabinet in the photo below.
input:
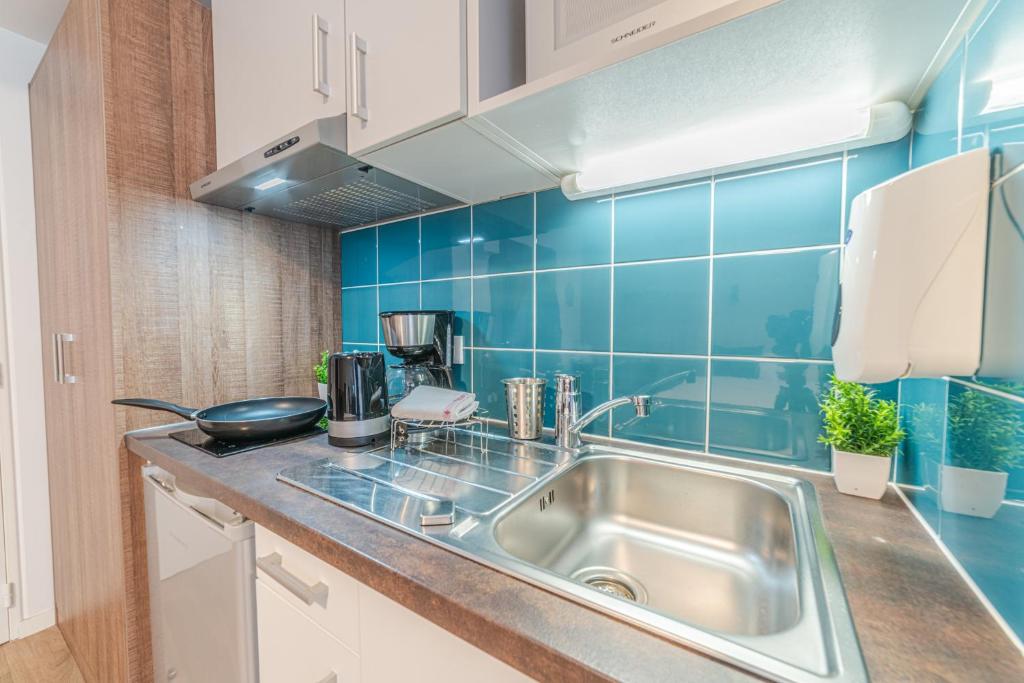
(277, 66)
(407, 68)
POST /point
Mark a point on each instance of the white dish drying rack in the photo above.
(404, 430)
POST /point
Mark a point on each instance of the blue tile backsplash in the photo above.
(796, 206)
(716, 297)
(675, 294)
(573, 309)
(775, 305)
(663, 224)
(714, 292)
(962, 465)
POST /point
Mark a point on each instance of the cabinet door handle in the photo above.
(58, 351)
(357, 73)
(329, 678)
(321, 42)
(60, 374)
(271, 565)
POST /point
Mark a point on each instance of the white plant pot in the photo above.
(977, 493)
(322, 390)
(862, 475)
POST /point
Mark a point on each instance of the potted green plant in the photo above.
(321, 374)
(863, 432)
(985, 433)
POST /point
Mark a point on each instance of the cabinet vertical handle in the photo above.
(357, 72)
(329, 678)
(58, 361)
(321, 33)
(60, 374)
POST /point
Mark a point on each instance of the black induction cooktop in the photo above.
(221, 449)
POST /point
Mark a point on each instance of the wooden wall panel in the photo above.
(214, 305)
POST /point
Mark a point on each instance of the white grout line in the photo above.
(419, 253)
(376, 327)
(581, 353)
(711, 296)
(472, 306)
(651, 262)
(533, 298)
(611, 322)
(658, 190)
(843, 194)
(952, 559)
(769, 171)
(788, 250)
(762, 359)
(1005, 395)
(626, 264)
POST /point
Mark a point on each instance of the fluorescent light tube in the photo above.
(273, 182)
(736, 146)
(1005, 92)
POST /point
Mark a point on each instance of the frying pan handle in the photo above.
(153, 404)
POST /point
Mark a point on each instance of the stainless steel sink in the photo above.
(714, 551)
(729, 561)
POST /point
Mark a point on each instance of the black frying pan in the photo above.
(257, 418)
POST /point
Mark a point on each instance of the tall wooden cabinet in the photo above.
(146, 293)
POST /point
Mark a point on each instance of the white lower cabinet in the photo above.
(299, 642)
(400, 645)
(294, 649)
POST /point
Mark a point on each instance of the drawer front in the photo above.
(293, 649)
(310, 585)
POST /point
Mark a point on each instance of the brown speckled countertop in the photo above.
(916, 618)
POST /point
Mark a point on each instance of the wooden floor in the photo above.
(40, 658)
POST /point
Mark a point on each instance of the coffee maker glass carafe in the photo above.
(423, 340)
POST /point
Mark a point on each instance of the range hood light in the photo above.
(273, 182)
(737, 146)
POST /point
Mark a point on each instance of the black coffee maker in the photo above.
(357, 398)
(424, 340)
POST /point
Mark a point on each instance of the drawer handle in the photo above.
(271, 565)
(329, 678)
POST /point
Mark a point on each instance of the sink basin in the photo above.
(725, 560)
(716, 552)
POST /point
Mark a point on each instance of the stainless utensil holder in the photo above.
(524, 398)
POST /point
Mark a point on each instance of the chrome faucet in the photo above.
(568, 423)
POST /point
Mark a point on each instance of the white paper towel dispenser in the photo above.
(913, 276)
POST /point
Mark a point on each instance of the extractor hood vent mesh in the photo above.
(355, 203)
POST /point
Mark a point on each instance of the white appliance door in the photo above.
(201, 583)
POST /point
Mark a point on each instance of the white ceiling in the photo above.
(35, 19)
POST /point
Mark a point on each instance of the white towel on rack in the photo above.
(436, 405)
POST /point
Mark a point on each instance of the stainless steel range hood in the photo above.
(307, 177)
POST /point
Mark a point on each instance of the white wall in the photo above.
(32, 566)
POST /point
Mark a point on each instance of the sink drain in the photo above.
(619, 590)
(612, 582)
